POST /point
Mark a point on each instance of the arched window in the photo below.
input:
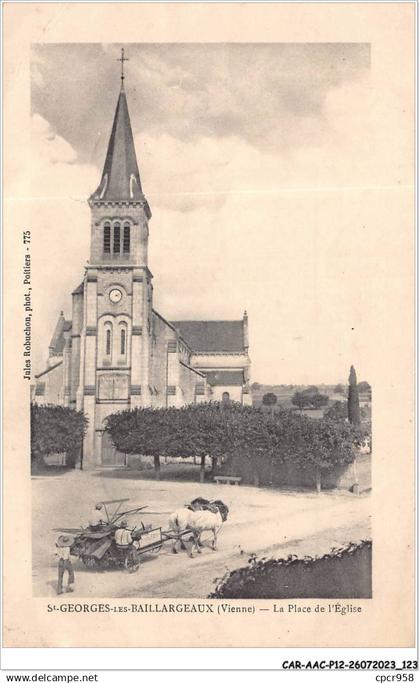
(126, 239)
(117, 238)
(108, 340)
(107, 238)
(123, 341)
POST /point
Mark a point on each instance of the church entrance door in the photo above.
(110, 457)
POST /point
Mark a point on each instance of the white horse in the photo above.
(208, 517)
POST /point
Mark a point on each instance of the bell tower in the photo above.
(118, 291)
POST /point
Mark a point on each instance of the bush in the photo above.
(56, 429)
(310, 399)
(337, 411)
(269, 399)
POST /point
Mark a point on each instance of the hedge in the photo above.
(343, 573)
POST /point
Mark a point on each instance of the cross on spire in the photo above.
(122, 59)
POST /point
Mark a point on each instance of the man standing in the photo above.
(62, 551)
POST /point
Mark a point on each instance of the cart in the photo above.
(96, 546)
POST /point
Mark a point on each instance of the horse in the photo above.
(199, 517)
(178, 520)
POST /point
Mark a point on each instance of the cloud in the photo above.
(271, 96)
(250, 91)
(56, 170)
(184, 175)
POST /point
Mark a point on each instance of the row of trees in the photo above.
(307, 398)
(214, 430)
(363, 386)
(219, 431)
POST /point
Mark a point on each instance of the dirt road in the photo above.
(265, 522)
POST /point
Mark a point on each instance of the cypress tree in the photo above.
(353, 399)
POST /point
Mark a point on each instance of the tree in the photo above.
(256, 386)
(270, 400)
(299, 400)
(56, 429)
(353, 399)
(309, 399)
(337, 411)
(364, 388)
(322, 444)
(312, 389)
(339, 389)
(366, 412)
(319, 400)
(144, 431)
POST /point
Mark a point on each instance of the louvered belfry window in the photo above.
(117, 238)
(107, 238)
(108, 342)
(126, 239)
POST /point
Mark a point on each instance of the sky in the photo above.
(260, 167)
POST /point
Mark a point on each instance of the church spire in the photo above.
(120, 177)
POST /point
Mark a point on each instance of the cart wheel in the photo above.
(157, 550)
(89, 561)
(131, 564)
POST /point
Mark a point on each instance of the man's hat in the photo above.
(65, 541)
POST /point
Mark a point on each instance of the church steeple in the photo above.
(120, 177)
(120, 212)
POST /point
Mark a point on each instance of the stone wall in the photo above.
(162, 333)
(49, 386)
(288, 475)
(188, 380)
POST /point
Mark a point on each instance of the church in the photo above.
(117, 352)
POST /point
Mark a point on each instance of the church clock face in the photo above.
(115, 296)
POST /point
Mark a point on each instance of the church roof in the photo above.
(57, 342)
(224, 378)
(212, 336)
(52, 367)
(80, 289)
(120, 178)
(60, 341)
